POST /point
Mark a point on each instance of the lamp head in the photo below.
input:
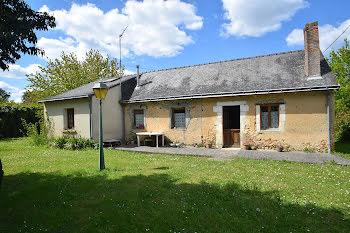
(100, 90)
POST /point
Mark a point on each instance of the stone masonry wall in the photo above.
(303, 126)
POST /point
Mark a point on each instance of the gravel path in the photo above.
(230, 153)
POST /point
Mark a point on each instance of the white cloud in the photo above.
(155, 28)
(19, 72)
(16, 93)
(328, 34)
(257, 17)
(128, 72)
(54, 47)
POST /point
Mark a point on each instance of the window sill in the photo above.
(69, 131)
(139, 129)
(262, 131)
(179, 128)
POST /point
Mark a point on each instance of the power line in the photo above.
(336, 39)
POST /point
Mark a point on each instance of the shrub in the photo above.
(38, 131)
(73, 143)
(132, 137)
(60, 142)
(342, 125)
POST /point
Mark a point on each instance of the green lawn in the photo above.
(52, 190)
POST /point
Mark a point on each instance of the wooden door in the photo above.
(231, 126)
(231, 137)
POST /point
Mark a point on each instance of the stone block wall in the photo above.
(303, 120)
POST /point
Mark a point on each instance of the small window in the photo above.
(269, 116)
(70, 118)
(178, 118)
(139, 120)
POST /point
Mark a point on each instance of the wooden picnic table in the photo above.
(157, 134)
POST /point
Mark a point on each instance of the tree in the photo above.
(68, 72)
(4, 95)
(339, 61)
(17, 24)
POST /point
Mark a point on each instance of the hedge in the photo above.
(11, 115)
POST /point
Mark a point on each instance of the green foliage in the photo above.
(18, 25)
(73, 143)
(4, 95)
(132, 137)
(339, 61)
(309, 150)
(38, 131)
(342, 125)
(11, 115)
(343, 149)
(60, 142)
(68, 72)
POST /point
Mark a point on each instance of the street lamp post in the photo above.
(100, 90)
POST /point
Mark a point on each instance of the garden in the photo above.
(62, 190)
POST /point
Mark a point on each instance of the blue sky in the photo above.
(164, 34)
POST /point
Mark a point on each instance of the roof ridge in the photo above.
(236, 59)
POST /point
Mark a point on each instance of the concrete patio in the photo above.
(227, 154)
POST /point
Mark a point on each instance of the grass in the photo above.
(343, 149)
(52, 190)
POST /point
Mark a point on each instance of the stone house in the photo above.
(278, 99)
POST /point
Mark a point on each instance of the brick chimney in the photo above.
(312, 50)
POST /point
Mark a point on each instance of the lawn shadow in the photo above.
(33, 202)
(161, 168)
(3, 139)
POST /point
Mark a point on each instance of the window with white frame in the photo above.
(269, 116)
(139, 119)
(178, 119)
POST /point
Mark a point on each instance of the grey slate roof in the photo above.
(85, 90)
(274, 73)
(281, 72)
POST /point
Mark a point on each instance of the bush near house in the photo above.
(342, 126)
(73, 143)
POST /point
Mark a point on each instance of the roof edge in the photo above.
(63, 98)
(241, 93)
(120, 79)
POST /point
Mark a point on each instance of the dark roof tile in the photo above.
(262, 73)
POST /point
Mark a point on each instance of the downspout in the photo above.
(329, 123)
(90, 115)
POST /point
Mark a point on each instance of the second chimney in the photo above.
(312, 50)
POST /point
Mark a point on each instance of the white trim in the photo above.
(244, 108)
(282, 116)
(282, 120)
